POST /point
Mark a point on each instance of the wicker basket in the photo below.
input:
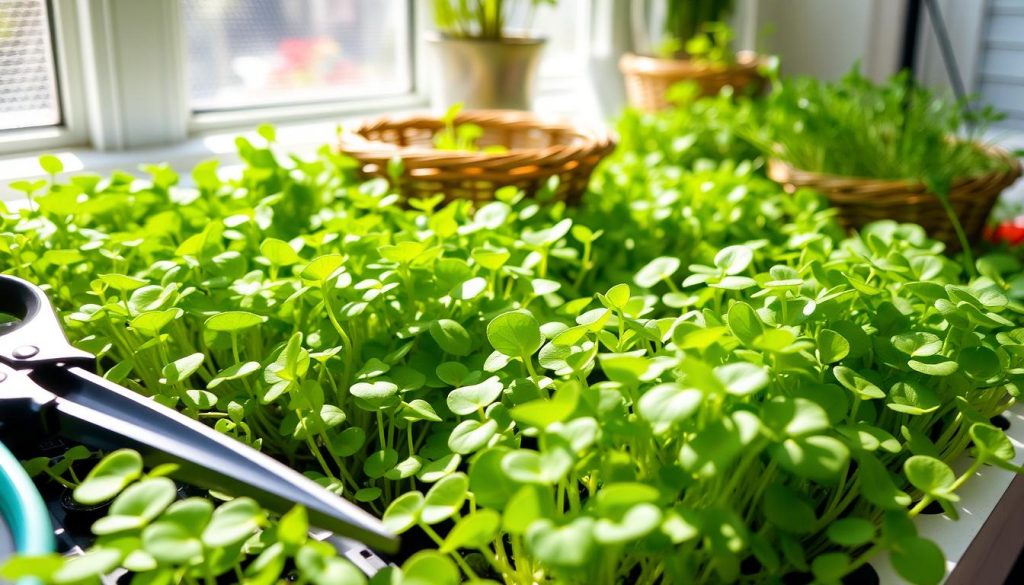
(648, 79)
(862, 200)
(537, 149)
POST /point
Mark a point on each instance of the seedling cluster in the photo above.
(693, 377)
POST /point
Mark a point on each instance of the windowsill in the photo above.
(301, 138)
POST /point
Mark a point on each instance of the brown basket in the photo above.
(863, 200)
(648, 79)
(538, 149)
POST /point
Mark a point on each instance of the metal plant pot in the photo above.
(484, 74)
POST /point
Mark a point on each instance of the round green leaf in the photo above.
(616, 498)
(744, 322)
(321, 268)
(51, 164)
(788, 510)
(152, 322)
(468, 399)
(527, 505)
(175, 537)
(445, 498)
(637, 523)
(980, 363)
(618, 295)
(348, 442)
(919, 561)
(380, 462)
(439, 468)
(566, 547)
(404, 512)
(233, 522)
(991, 443)
(774, 340)
(489, 483)
(527, 466)
(851, 531)
(122, 282)
(832, 346)
(451, 337)
(515, 334)
(471, 435)
(819, 458)
(656, 271)
(934, 366)
(429, 568)
(858, 384)
(137, 505)
(734, 259)
(109, 477)
(474, 531)
(419, 409)
(180, 370)
(279, 253)
(235, 372)
(233, 321)
(930, 475)
(917, 344)
(794, 417)
(742, 378)
(375, 395)
(830, 567)
(910, 397)
(293, 527)
(323, 569)
(88, 567)
(669, 404)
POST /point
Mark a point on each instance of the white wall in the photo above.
(824, 38)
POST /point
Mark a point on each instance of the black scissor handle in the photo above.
(38, 338)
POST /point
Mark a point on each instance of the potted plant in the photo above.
(690, 42)
(482, 61)
(887, 151)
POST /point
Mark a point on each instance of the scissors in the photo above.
(50, 388)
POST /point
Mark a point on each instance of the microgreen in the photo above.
(689, 372)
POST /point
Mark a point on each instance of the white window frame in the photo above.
(72, 130)
(118, 107)
(418, 97)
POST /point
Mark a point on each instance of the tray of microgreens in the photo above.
(691, 377)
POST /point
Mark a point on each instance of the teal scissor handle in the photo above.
(23, 509)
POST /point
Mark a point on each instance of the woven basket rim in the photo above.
(783, 172)
(636, 64)
(584, 138)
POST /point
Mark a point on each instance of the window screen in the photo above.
(28, 81)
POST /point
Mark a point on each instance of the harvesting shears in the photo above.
(49, 388)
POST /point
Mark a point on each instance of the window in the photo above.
(560, 25)
(28, 82)
(256, 53)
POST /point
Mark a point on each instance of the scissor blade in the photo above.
(99, 413)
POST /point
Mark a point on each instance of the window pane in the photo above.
(560, 24)
(28, 84)
(251, 53)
